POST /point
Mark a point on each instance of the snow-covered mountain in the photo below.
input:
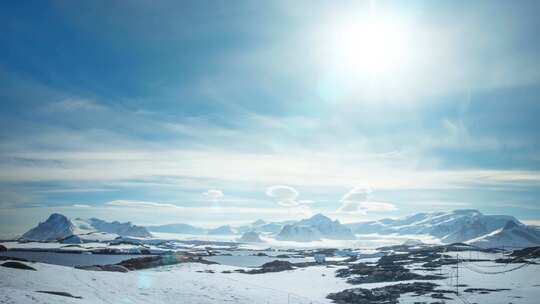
(315, 228)
(122, 229)
(250, 237)
(221, 230)
(264, 227)
(511, 235)
(59, 227)
(56, 227)
(178, 228)
(298, 234)
(449, 227)
(259, 222)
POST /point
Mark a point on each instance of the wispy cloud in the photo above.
(81, 206)
(142, 204)
(74, 104)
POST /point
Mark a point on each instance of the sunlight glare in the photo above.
(374, 46)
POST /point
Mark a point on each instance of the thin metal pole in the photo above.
(457, 274)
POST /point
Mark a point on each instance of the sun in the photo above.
(373, 46)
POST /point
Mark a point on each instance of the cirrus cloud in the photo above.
(143, 204)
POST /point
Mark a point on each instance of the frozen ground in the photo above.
(198, 283)
(187, 283)
(524, 284)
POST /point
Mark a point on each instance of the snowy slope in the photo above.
(184, 283)
(511, 235)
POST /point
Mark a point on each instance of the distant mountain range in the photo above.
(468, 226)
(449, 227)
(178, 228)
(59, 227)
(259, 226)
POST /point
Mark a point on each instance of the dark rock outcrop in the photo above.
(382, 295)
(484, 290)
(383, 272)
(529, 252)
(110, 268)
(274, 266)
(60, 293)
(18, 265)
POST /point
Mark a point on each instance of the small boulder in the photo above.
(277, 265)
(110, 268)
(60, 293)
(18, 265)
(114, 268)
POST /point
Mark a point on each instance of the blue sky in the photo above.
(211, 112)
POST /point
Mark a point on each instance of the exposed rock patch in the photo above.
(60, 293)
(530, 252)
(385, 271)
(385, 295)
(274, 266)
(18, 265)
(110, 268)
(484, 290)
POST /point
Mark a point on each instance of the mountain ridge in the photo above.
(454, 226)
(58, 227)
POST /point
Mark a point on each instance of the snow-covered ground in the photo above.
(187, 283)
(524, 284)
(198, 283)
